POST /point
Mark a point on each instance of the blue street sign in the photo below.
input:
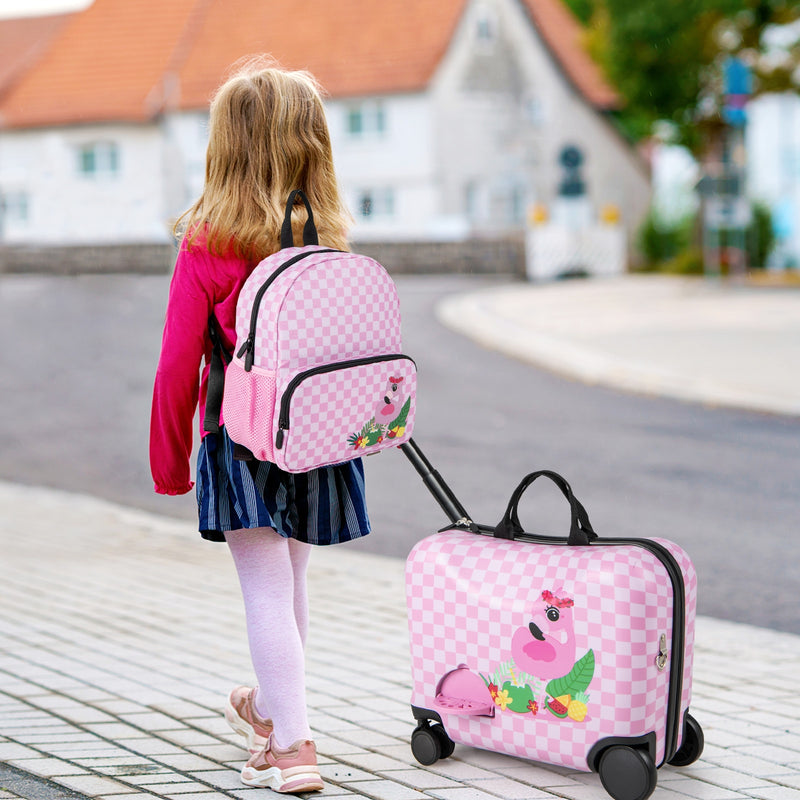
(738, 86)
(738, 77)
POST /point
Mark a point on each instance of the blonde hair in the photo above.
(267, 136)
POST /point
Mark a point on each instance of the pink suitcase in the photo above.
(574, 651)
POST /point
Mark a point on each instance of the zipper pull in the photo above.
(663, 653)
(247, 348)
(248, 343)
(279, 439)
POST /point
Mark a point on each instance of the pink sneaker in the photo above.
(241, 714)
(288, 771)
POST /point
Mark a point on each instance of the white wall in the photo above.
(68, 207)
(773, 166)
(488, 136)
(470, 154)
(504, 113)
(398, 160)
(185, 139)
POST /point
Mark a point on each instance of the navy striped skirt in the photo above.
(324, 506)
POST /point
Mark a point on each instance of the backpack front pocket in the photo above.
(336, 412)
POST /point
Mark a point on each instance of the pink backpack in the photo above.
(318, 376)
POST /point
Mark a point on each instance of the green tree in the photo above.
(665, 58)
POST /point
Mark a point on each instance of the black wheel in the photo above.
(446, 744)
(691, 745)
(425, 745)
(627, 773)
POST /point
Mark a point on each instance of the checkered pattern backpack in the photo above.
(317, 376)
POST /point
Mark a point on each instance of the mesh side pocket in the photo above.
(248, 407)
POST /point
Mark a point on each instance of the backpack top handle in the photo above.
(309, 229)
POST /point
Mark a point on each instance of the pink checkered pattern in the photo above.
(328, 408)
(325, 309)
(468, 594)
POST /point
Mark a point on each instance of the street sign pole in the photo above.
(726, 209)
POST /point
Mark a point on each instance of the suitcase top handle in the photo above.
(309, 229)
(580, 531)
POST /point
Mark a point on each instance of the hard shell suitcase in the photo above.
(575, 651)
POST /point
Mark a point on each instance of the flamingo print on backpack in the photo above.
(392, 400)
(389, 419)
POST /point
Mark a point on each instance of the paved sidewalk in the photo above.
(121, 634)
(700, 340)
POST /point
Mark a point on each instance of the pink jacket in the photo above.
(202, 284)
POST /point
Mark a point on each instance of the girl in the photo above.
(268, 136)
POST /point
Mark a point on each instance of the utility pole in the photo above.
(726, 210)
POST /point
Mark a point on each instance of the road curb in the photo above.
(479, 316)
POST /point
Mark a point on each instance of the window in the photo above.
(518, 204)
(374, 203)
(485, 24)
(98, 158)
(14, 207)
(484, 29)
(366, 119)
(471, 197)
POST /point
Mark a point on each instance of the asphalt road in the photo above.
(76, 367)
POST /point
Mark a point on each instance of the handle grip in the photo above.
(309, 229)
(580, 532)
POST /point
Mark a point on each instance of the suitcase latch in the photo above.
(663, 653)
(463, 524)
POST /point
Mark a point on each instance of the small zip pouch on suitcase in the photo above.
(574, 651)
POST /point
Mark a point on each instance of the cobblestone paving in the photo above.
(121, 634)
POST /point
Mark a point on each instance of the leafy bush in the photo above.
(669, 247)
(687, 262)
(660, 241)
(760, 237)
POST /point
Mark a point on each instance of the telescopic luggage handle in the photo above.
(580, 532)
(442, 493)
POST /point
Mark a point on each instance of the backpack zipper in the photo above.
(248, 347)
(286, 398)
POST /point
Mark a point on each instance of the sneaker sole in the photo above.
(273, 778)
(255, 742)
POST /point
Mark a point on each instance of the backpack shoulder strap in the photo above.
(216, 378)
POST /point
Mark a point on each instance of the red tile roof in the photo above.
(354, 47)
(104, 65)
(22, 42)
(563, 34)
(130, 59)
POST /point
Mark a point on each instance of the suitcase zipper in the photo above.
(286, 398)
(248, 347)
(678, 642)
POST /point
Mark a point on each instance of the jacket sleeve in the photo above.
(177, 381)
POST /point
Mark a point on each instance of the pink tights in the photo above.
(272, 574)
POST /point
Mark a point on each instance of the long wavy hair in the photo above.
(267, 136)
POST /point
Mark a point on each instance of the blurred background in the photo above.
(576, 136)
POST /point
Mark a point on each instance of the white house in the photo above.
(773, 169)
(447, 117)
